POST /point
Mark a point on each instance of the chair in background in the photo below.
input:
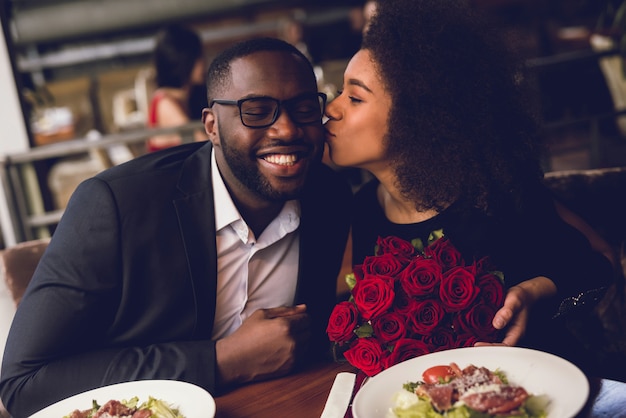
(3, 412)
(18, 264)
(599, 322)
(598, 196)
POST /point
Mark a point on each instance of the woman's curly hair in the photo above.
(459, 127)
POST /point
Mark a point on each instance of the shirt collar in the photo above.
(225, 211)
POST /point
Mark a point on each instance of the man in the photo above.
(213, 263)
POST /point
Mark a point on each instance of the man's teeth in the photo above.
(281, 159)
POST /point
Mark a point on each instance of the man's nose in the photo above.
(284, 126)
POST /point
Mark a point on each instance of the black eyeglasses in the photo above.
(261, 112)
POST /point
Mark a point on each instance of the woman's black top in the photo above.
(528, 243)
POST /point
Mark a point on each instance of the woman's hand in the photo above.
(514, 314)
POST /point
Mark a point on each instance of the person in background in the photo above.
(179, 74)
(212, 263)
(369, 9)
(293, 31)
(433, 110)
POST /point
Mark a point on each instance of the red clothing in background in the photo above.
(153, 121)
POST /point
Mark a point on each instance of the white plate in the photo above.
(191, 400)
(538, 372)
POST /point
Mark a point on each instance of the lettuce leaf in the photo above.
(420, 407)
(160, 409)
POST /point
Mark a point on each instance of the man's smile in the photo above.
(281, 159)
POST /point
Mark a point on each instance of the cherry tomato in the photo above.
(438, 374)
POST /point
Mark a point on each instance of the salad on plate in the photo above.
(473, 392)
(152, 408)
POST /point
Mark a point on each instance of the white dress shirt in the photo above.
(252, 273)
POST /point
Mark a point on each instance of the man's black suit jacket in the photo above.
(126, 288)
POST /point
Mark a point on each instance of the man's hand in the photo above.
(514, 314)
(266, 345)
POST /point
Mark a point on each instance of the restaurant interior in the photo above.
(83, 75)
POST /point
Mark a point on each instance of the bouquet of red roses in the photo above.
(408, 300)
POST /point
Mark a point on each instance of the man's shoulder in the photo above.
(151, 164)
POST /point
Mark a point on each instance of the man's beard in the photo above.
(247, 172)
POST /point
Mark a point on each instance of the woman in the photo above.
(430, 108)
(179, 69)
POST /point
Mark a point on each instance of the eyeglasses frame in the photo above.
(277, 112)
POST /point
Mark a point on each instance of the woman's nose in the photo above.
(331, 110)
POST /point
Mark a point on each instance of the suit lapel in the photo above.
(196, 217)
(306, 290)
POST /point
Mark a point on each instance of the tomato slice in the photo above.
(438, 374)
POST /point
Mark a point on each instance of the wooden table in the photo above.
(304, 395)
(299, 395)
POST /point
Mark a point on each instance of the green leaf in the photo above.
(502, 376)
(364, 331)
(350, 280)
(411, 386)
(498, 274)
(418, 244)
(434, 236)
(160, 409)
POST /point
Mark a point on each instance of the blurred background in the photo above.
(76, 78)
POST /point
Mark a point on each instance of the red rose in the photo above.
(477, 321)
(491, 289)
(390, 327)
(358, 272)
(383, 265)
(403, 303)
(441, 338)
(342, 322)
(426, 316)
(373, 296)
(395, 246)
(484, 265)
(406, 303)
(421, 277)
(465, 340)
(367, 355)
(444, 253)
(405, 349)
(458, 289)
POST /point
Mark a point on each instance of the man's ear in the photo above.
(210, 124)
